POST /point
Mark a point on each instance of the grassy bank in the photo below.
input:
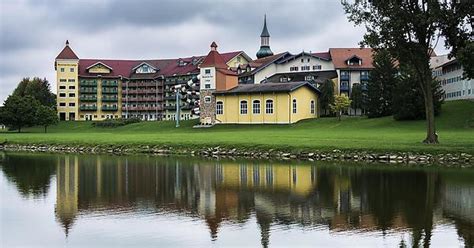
(455, 127)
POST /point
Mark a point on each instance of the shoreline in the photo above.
(454, 159)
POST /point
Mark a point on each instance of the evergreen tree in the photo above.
(408, 102)
(327, 95)
(18, 112)
(382, 80)
(46, 116)
(357, 97)
(38, 88)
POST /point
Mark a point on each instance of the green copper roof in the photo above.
(264, 52)
(265, 30)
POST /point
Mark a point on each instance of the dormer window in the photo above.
(145, 68)
(181, 62)
(354, 61)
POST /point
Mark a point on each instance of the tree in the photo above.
(382, 80)
(46, 116)
(18, 112)
(408, 30)
(455, 20)
(357, 97)
(327, 95)
(341, 102)
(37, 88)
(408, 102)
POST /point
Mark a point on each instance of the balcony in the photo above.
(88, 108)
(109, 108)
(109, 91)
(88, 90)
(170, 97)
(141, 99)
(109, 99)
(88, 83)
(345, 76)
(88, 98)
(344, 87)
(159, 108)
(109, 83)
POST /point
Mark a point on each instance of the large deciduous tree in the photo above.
(409, 30)
(18, 112)
(382, 80)
(37, 88)
(327, 95)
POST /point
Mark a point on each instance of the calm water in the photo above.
(97, 201)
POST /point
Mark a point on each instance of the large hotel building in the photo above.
(98, 89)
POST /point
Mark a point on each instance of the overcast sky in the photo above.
(33, 32)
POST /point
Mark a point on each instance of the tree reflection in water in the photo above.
(343, 198)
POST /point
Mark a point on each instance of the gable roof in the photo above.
(315, 55)
(99, 63)
(341, 55)
(268, 87)
(67, 53)
(260, 64)
(214, 59)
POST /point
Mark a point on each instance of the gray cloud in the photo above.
(33, 32)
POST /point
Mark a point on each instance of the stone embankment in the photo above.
(447, 159)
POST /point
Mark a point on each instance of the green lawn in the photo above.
(455, 128)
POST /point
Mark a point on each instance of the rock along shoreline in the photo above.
(463, 160)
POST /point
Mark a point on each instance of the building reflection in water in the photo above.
(341, 198)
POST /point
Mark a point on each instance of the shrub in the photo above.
(113, 123)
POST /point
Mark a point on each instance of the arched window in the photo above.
(269, 107)
(256, 107)
(294, 106)
(243, 107)
(220, 108)
(312, 107)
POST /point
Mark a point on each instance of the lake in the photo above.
(58, 200)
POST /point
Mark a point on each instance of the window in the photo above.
(72, 95)
(62, 104)
(305, 68)
(269, 107)
(71, 80)
(294, 68)
(72, 87)
(219, 108)
(312, 107)
(243, 107)
(294, 106)
(62, 69)
(71, 69)
(62, 80)
(62, 94)
(71, 104)
(302, 60)
(207, 86)
(238, 59)
(317, 67)
(207, 99)
(309, 60)
(62, 87)
(256, 107)
(207, 71)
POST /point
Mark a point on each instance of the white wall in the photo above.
(208, 78)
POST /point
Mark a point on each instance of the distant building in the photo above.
(224, 101)
(450, 73)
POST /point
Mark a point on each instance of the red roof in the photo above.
(341, 55)
(67, 53)
(166, 67)
(214, 59)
